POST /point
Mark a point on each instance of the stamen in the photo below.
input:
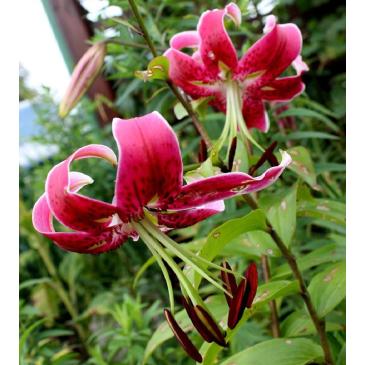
(182, 337)
(198, 324)
(203, 151)
(229, 282)
(237, 308)
(266, 156)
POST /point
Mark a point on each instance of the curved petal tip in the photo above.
(234, 12)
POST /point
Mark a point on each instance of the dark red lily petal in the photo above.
(149, 167)
(273, 53)
(70, 208)
(224, 186)
(254, 113)
(283, 89)
(237, 306)
(182, 337)
(198, 324)
(216, 45)
(189, 217)
(81, 242)
(251, 276)
(211, 325)
(229, 281)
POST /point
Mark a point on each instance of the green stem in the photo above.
(181, 253)
(319, 323)
(192, 293)
(165, 274)
(199, 128)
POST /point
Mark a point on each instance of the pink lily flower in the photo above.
(149, 186)
(214, 69)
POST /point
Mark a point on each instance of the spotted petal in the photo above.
(187, 73)
(189, 217)
(150, 166)
(216, 45)
(70, 208)
(254, 114)
(283, 89)
(273, 53)
(82, 242)
(224, 186)
(188, 39)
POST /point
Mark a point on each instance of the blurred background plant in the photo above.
(83, 309)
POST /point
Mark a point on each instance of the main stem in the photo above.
(199, 128)
(290, 258)
(275, 327)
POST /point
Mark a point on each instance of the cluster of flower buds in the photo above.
(239, 297)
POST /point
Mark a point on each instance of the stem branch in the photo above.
(275, 327)
(186, 104)
(290, 258)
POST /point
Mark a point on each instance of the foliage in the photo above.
(83, 309)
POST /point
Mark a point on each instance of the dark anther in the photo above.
(198, 324)
(203, 151)
(232, 152)
(212, 326)
(266, 156)
(244, 296)
(229, 282)
(204, 323)
(182, 337)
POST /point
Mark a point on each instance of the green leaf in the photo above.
(47, 301)
(255, 243)
(31, 282)
(302, 165)
(229, 230)
(158, 69)
(323, 209)
(28, 332)
(281, 212)
(303, 135)
(302, 112)
(278, 352)
(328, 288)
(327, 253)
(300, 324)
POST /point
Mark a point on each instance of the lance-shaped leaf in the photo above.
(182, 337)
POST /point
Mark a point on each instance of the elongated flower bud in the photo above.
(182, 337)
(83, 76)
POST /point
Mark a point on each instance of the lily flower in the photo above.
(149, 198)
(237, 87)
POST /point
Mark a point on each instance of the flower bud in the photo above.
(83, 76)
